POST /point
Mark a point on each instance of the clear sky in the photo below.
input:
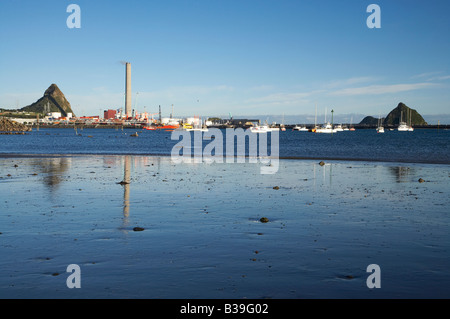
(215, 57)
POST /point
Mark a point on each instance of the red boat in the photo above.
(167, 127)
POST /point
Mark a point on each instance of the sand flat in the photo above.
(202, 236)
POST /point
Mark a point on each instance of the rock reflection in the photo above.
(401, 173)
(53, 169)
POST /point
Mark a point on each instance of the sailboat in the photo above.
(402, 127)
(282, 127)
(410, 128)
(351, 124)
(380, 128)
(327, 127)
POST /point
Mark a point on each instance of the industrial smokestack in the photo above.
(128, 89)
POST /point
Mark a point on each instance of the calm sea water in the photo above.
(420, 146)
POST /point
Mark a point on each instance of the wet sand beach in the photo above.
(201, 233)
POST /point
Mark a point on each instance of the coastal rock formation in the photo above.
(52, 101)
(406, 114)
(370, 120)
(6, 125)
(401, 113)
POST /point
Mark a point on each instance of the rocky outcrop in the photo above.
(6, 125)
(402, 113)
(52, 101)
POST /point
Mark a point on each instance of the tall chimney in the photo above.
(128, 89)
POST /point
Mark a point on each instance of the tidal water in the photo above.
(419, 146)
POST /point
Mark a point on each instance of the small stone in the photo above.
(264, 220)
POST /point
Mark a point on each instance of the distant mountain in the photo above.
(405, 114)
(52, 101)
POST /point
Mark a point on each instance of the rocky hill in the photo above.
(400, 113)
(52, 101)
(370, 120)
(405, 114)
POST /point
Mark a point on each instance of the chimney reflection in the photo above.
(126, 192)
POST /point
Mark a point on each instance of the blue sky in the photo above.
(215, 57)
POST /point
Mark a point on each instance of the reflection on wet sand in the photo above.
(53, 169)
(401, 173)
(126, 191)
(128, 162)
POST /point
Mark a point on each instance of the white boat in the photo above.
(260, 129)
(201, 129)
(327, 128)
(198, 127)
(300, 128)
(403, 127)
(410, 128)
(380, 128)
(339, 128)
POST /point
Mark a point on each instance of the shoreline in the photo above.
(293, 158)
